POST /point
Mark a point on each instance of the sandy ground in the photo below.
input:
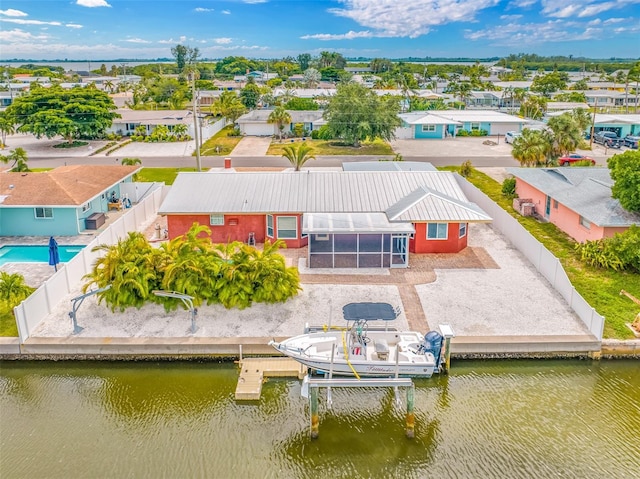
(316, 304)
(511, 300)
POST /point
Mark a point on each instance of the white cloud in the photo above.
(558, 30)
(202, 9)
(222, 41)
(136, 40)
(226, 12)
(521, 3)
(73, 25)
(614, 20)
(340, 36)
(171, 41)
(13, 13)
(29, 22)
(390, 18)
(17, 35)
(510, 18)
(254, 1)
(92, 3)
(583, 8)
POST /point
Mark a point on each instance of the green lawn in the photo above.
(332, 147)
(8, 326)
(221, 143)
(599, 287)
(168, 175)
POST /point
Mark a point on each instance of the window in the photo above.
(427, 128)
(463, 230)
(302, 235)
(86, 207)
(437, 230)
(475, 126)
(319, 237)
(270, 226)
(287, 227)
(216, 220)
(42, 213)
(555, 204)
(585, 222)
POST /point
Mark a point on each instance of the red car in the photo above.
(567, 160)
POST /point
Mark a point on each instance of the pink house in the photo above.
(576, 200)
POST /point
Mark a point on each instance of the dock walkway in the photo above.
(254, 370)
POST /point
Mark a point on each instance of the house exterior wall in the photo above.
(21, 221)
(452, 244)
(258, 129)
(437, 133)
(235, 228)
(564, 218)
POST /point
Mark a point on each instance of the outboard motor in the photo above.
(433, 344)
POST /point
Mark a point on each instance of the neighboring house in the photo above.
(576, 200)
(622, 124)
(305, 92)
(609, 99)
(484, 99)
(353, 70)
(262, 76)
(229, 85)
(438, 124)
(58, 202)
(555, 108)
(130, 119)
(367, 80)
(255, 122)
(346, 218)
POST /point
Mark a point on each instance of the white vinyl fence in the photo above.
(541, 258)
(32, 311)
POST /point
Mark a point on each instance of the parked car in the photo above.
(510, 136)
(608, 138)
(631, 141)
(567, 160)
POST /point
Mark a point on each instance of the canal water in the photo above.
(488, 419)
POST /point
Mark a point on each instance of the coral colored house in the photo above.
(351, 219)
(577, 200)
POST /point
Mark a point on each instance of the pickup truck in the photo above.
(608, 139)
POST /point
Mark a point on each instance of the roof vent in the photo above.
(11, 187)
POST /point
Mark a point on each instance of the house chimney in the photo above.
(227, 163)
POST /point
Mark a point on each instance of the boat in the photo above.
(359, 350)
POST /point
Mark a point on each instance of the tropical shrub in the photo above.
(233, 274)
(509, 188)
(622, 251)
(13, 289)
(466, 168)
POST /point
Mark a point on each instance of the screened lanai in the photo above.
(356, 240)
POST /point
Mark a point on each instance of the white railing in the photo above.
(33, 310)
(542, 259)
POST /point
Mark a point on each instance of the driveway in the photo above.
(252, 146)
(44, 147)
(461, 146)
(141, 149)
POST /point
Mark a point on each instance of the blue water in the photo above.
(35, 254)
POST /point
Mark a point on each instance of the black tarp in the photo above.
(369, 311)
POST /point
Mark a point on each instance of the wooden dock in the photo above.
(254, 370)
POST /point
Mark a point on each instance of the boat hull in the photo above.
(331, 352)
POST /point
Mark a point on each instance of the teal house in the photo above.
(65, 201)
(440, 124)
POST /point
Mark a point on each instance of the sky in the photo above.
(147, 29)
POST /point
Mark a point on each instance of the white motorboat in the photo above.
(360, 351)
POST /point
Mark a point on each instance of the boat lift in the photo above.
(77, 301)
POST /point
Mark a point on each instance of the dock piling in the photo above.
(315, 418)
(411, 418)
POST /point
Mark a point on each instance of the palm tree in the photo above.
(19, 158)
(532, 148)
(280, 117)
(180, 130)
(7, 127)
(298, 155)
(13, 289)
(130, 161)
(311, 77)
(567, 134)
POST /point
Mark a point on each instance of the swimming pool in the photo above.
(35, 254)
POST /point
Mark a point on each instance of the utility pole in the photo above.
(195, 119)
(593, 123)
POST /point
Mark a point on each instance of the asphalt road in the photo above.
(264, 161)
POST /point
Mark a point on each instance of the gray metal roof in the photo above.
(313, 223)
(322, 192)
(586, 191)
(387, 166)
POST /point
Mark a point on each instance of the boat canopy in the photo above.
(369, 312)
